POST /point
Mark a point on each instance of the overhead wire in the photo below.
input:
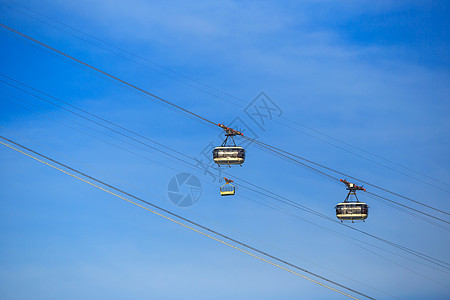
(129, 85)
(167, 212)
(289, 155)
(346, 237)
(119, 51)
(400, 265)
(349, 176)
(406, 249)
(296, 206)
(212, 88)
(106, 74)
(97, 138)
(352, 238)
(281, 154)
(363, 157)
(442, 226)
(257, 142)
(328, 229)
(256, 188)
(373, 154)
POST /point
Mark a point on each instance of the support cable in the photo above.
(256, 188)
(181, 218)
(173, 105)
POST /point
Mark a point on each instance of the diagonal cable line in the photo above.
(256, 141)
(286, 154)
(348, 238)
(103, 45)
(182, 218)
(362, 156)
(256, 188)
(107, 74)
(288, 202)
(173, 105)
(324, 175)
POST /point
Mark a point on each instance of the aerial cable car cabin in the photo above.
(352, 210)
(229, 154)
(227, 189)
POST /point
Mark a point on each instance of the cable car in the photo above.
(352, 210)
(229, 154)
(227, 189)
(226, 155)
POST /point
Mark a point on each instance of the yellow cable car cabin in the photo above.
(227, 189)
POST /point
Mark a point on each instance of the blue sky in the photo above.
(375, 75)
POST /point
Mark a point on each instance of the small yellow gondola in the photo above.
(227, 189)
(228, 155)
